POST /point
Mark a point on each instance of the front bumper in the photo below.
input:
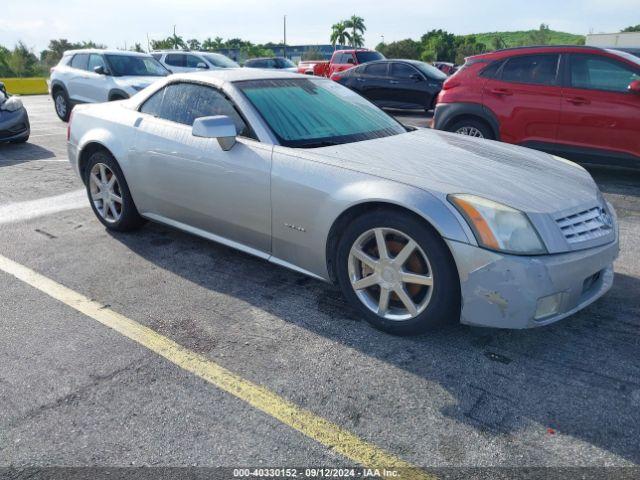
(14, 125)
(510, 291)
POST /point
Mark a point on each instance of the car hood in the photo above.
(445, 163)
(135, 81)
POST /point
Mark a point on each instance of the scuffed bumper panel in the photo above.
(507, 291)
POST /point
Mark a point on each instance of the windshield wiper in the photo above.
(319, 144)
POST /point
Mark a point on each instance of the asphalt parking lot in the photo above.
(75, 392)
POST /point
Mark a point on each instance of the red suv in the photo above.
(578, 102)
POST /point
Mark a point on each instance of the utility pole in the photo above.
(284, 50)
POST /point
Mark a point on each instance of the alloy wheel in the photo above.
(61, 105)
(470, 132)
(105, 192)
(390, 274)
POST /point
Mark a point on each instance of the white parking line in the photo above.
(15, 212)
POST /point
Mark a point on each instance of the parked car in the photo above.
(178, 61)
(340, 61)
(14, 120)
(406, 84)
(90, 76)
(277, 63)
(446, 67)
(417, 226)
(579, 102)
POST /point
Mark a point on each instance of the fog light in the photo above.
(548, 306)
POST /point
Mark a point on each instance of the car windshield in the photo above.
(309, 113)
(221, 61)
(285, 63)
(364, 57)
(129, 65)
(430, 71)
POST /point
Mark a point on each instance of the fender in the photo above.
(447, 113)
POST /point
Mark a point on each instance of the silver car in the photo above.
(418, 227)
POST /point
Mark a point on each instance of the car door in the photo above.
(95, 86)
(191, 182)
(193, 62)
(407, 87)
(598, 110)
(525, 95)
(376, 84)
(76, 74)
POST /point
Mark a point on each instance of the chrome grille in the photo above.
(585, 225)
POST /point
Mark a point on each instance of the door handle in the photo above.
(360, 79)
(394, 82)
(501, 91)
(578, 100)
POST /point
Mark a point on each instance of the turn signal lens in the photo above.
(497, 226)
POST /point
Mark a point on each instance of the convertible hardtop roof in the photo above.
(230, 75)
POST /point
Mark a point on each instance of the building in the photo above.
(612, 40)
(293, 52)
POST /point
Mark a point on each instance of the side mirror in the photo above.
(220, 127)
(634, 87)
(2, 88)
(351, 61)
(100, 70)
(202, 65)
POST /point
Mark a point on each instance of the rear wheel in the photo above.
(62, 104)
(109, 194)
(398, 273)
(472, 128)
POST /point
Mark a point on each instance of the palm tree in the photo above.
(356, 24)
(176, 41)
(339, 34)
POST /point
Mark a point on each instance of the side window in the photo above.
(376, 70)
(175, 60)
(402, 70)
(348, 58)
(193, 61)
(80, 61)
(270, 63)
(153, 105)
(492, 70)
(95, 61)
(600, 73)
(184, 102)
(532, 69)
(157, 56)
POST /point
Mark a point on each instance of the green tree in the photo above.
(22, 61)
(356, 24)
(255, 51)
(407, 48)
(194, 44)
(633, 28)
(137, 48)
(540, 36)
(5, 70)
(438, 45)
(212, 45)
(176, 41)
(339, 34)
(161, 44)
(467, 46)
(497, 42)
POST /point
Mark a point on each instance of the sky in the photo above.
(120, 23)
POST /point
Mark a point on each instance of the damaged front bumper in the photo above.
(510, 291)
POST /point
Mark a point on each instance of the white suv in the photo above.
(91, 76)
(187, 61)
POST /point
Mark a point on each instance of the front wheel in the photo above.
(398, 272)
(62, 105)
(472, 128)
(109, 194)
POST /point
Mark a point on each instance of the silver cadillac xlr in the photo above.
(416, 226)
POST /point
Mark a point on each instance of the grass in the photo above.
(519, 38)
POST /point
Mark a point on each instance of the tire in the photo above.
(435, 305)
(61, 104)
(126, 217)
(479, 128)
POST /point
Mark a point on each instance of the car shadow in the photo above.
(616, 180)
(579, 377)
(17, 153)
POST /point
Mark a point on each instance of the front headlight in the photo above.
(498, 227)
(12, 104)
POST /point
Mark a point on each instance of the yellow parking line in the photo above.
(323, 431)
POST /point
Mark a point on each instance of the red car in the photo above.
(340, 61)
(578, 102)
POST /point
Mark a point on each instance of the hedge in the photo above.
(25, 86)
